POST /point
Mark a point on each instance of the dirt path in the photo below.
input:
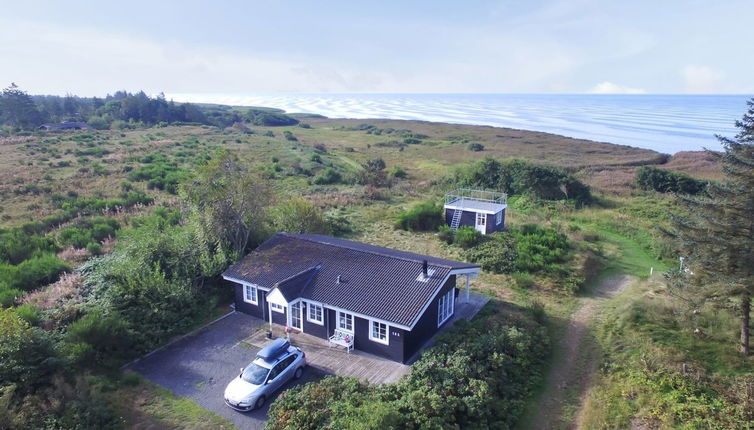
(576, 360)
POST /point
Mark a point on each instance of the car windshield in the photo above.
(254, 374)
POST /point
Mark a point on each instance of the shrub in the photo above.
(664, 181)
(539, 248)
(9, 296)
(28, 313)
(17, 245)
(289, 136)
(522, 177)
(495, 254)
(398, 172)
(32, 273)
(98, 338)
(425, 216)
(298, 215)
(478, 375)
(475, 147)
(446, 234)
(522, 280)
(27, 354)
(467, 237)
(94, 248)
(328, 176)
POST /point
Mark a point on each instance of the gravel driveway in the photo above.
(201, 365)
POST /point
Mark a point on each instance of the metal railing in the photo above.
(476, 195)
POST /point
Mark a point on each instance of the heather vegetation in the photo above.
(477, 376)
(112, 241)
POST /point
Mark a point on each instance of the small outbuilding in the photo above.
(483, 210)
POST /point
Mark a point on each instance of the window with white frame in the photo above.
(345, 322)
(445, 307)
(315, 313)
(378, 332)
(481, 219)
(250, 294)
(277, 308)
(499, 218)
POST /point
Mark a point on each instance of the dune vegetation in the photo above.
(81, 209)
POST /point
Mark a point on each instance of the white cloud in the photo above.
(611, 88)
(703, 79)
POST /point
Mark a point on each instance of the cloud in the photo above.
(703, 79)
(611, 88)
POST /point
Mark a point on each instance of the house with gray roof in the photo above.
(381, 300)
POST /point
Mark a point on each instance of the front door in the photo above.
(296, 316)
(481, 222)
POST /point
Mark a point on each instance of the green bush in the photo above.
(8, 296)
(523, 177)
(425, 216)
(398, 172)
(476, 147)
(27, 354)
(99, 339)
(664, 181)
(28, 313)
(16, 245)
(479, 375)
(496, 254)
(539, 248)
(328, 176)
(446, 234)
(161, 175)
(298, 215)
(467, 237)
(32, 273)
(522, 280)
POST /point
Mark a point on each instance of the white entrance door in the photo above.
(481, 222)
(296, 316)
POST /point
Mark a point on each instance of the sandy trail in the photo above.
(576, 362)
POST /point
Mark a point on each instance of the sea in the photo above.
(664, 123)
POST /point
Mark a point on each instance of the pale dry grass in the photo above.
(66, 289)
(74, 255)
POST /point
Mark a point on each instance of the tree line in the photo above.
(21, 111)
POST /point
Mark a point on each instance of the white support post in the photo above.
(269, 308)
(468, 287)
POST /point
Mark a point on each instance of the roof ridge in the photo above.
(428, 258)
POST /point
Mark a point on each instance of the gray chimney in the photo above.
(338, 280)
(424, 269)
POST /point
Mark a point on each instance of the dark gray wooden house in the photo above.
(383, 301)
(65, 125)
(483, 210)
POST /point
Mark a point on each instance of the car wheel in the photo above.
(260, 402)
(298, 373)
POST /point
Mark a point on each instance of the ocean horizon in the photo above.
(664, 123)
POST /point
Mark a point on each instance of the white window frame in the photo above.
(250, 294)
(345, 329)
(311, 307)
(372, 325)
(481, 219)
(499, 218)
(277, 308)
(445, 307)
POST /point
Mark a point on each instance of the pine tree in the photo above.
(18, 108)
(717, 236)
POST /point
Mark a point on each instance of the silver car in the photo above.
(274, 365)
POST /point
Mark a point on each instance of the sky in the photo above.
(297, 46)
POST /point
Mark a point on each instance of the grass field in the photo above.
(615, 236)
